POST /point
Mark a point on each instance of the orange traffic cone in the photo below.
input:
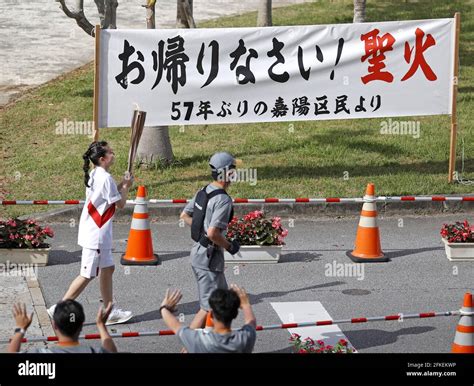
(367, 245)
(464, 338)
(209, 323)
(140, 247)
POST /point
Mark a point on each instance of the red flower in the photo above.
(48, 231)
(253, 228)
(458, 232)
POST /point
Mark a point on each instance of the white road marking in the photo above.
(297, 312)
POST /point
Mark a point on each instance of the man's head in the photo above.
(224, 305)
(68, 318)
(223, 167)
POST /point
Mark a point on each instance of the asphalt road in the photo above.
(419, 278)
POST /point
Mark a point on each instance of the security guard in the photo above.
(208, 214)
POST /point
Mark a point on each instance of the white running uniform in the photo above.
(95, 227)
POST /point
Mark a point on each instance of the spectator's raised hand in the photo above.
(242, 294)
(103, 314)
(22, 319)
(171, 299)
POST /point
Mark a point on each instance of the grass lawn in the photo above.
(311, 161)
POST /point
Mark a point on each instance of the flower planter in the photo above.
(37, 256)
(255, 254)
(459, 251)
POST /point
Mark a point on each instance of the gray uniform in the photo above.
(209, 272)
(201, 341)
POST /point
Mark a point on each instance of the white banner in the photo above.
(239, 75)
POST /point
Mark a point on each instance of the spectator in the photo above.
(224, 306)
(68, 320)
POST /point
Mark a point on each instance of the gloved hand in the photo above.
(234, 247)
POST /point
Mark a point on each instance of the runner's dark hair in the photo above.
(96, 150)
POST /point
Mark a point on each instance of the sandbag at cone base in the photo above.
(367, 247)
(139, 245)
(127, 260)
(356, 259)
(464, 338)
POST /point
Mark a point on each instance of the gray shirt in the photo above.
(201, 341)
(217, 215)
(79, 349)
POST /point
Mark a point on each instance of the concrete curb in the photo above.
(285, 210)
(39, 306)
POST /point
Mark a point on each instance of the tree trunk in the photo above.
(184, 14)
(359, 11)
(264, 16)
(111, 13)
(155, 145)
(150, 15)
(78, 15)
(107, 14)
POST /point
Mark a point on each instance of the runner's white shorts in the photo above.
(94, 259)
